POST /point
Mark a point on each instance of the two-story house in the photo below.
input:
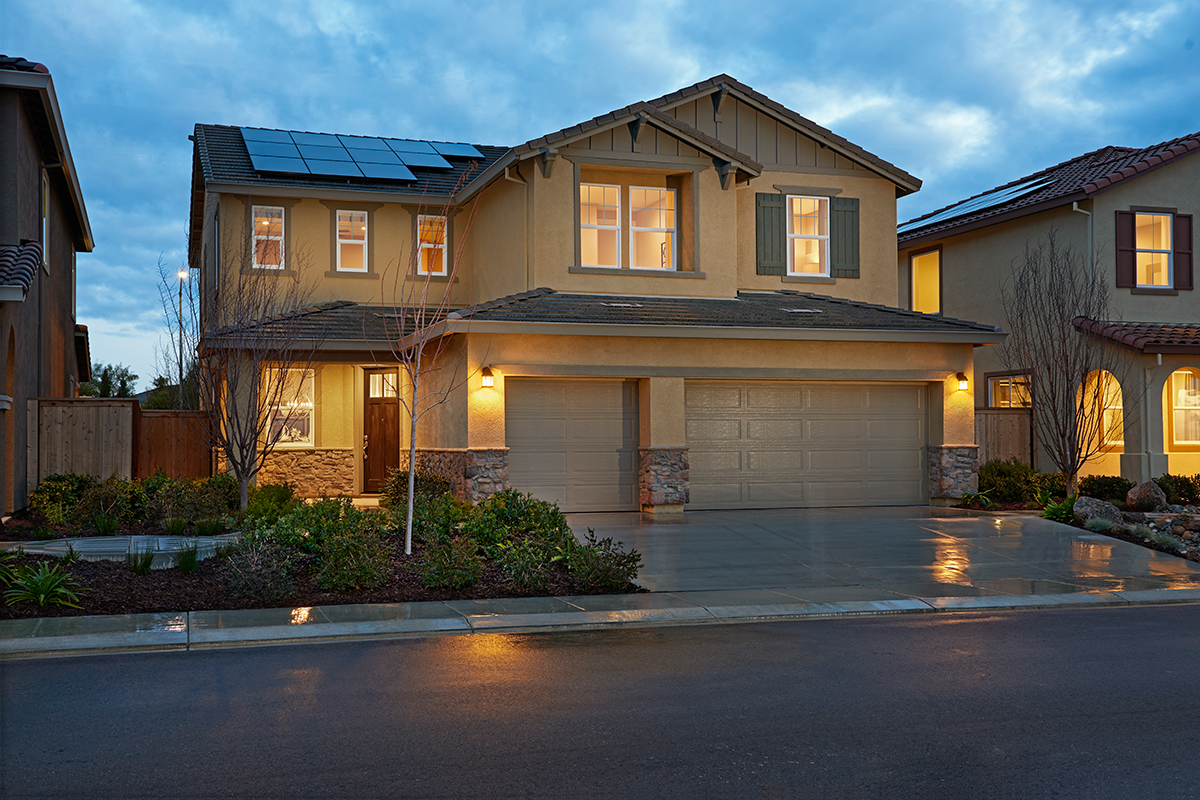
(687, 301)
(43, 224)
(1125, 211)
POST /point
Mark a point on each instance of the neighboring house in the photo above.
(719, 331)
(43, 224)
(1128, 211)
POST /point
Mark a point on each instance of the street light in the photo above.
(183, 276)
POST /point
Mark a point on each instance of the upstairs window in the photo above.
(268, 237)
(1154, 250)
(808, 235)
(431, 233)
(926, 282)
(1009, 391)
(1152, 238)
(352, 241)
(651, 228)
(600, 225)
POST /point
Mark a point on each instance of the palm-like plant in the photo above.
(44, 585)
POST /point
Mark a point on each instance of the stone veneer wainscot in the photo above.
(953, 471)
(313, 471)
(664, 477)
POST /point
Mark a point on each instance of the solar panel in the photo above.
(424, 160)
(456, 150)
(257, 148)
(374, 156)
(324, 153)
(277, 164)
(395, 172)
(989, 200)
(319, 139)
(264, 135)
(346, 169)
(363, 142)
(410, 146)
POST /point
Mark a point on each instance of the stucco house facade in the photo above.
(43, 224)
(686, 302)
(1127, 212)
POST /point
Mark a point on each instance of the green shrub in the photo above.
(44, 584)
(509, 515)
(1180, 489)
(57, 495)
(1105, 487)
(528, 564)
(188, 559)
(104, 526)
(1063, 512)
(353, 555)
(271, 501)
(597, 565)
(426, 484)
(171, 499)
(210, 527)
(1099, 524)
(7, 557)
(1167, 541)
(140, 561)
(219, 495)
(1141, 530)
(452, 563)
(1016, 480)
(175, 527)
(115, 499)
(260, 570)
(434, 519)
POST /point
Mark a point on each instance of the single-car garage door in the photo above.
(779, 444)
(573, 442)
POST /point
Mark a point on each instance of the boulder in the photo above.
(1146, 497)
(1134, 518)
(1090, 508)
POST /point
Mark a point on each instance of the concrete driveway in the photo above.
(818, 555)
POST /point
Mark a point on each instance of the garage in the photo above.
(781, 444)
(573, 442)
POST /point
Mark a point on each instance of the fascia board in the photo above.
(985, 222)
(12, 294)
(484, 179)
(322, 194)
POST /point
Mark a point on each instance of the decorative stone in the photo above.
(314, 471)
(474, 475)
(1134, 517)
(953, 470)
(664, 477)
(1146, 497)
(1089, 508)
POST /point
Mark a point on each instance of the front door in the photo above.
(381, 428)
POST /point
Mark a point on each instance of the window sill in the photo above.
(345, 273)
(1164, 291)
(430, 278)
(808, 279)
(283, 273)
(642, 273)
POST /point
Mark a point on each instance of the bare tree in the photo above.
(1050, 288)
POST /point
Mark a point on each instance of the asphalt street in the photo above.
(1094, 703)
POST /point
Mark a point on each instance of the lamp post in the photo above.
(183, 274)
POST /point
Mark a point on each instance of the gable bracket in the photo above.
(718, 100)
(635, 126)
(726, 171)
(546, 159)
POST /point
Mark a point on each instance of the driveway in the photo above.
(821, 554)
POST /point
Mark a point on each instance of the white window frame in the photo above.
(256, 237)
(423, 246)
(341, 241)
(674, 231)
(824, 238)
(1177, 408)
(1169, 252)
(616, 227)
(297, 410)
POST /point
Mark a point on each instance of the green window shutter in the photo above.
(843, 237)
(772, 233)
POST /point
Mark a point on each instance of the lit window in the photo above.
(651, 228)
(352, 241)
(1152, 238)
(1112, 412)
(383, 384)
(808, 235)
(600, 225)
(292, 408)
(1185, 407)
(1010, 391)
(926, 282)
(268, 237)
(432, 236)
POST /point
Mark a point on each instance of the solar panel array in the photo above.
(989, 200)
(348, 156)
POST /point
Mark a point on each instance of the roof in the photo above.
(1076, 179)
(18, 64)
(1145, 337)
(18, 266)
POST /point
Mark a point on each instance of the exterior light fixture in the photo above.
(963, 384)
(487, 379)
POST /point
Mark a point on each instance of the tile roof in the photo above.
(19, 265)
(1145, 337)
(1075, 179)
(19, 64)
(223, 159)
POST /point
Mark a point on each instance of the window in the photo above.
(1009, 391)
(268, 237)
(600, 225)
(926, 282)
(808, 235)
(651, 228)
(1184, 388)
(1152, 239)
(352, 241)
(1112, 412)
(431, 232)
(382, 384)
(292, 415)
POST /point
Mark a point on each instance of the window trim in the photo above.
(617, 227)
(422, 246)
(674, 231)
(912, 278)
(1174, 446)
(824, 238)
(281, 238)
(364, 242)
(1170, 251)
(311, 380)
(991, 377)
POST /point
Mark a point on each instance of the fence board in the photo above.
(175, 441)
(1003, 433)
(86, 436)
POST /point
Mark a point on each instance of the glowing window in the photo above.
(1185, 407)
(352, 241)
(1112, 412)
(651, 228)
(600, 225)
(432, 236)
(808, 235)
(1152, 238)
(1010, 391)
(292, 408)
(926, 282)
(383, 384)
(268, 237)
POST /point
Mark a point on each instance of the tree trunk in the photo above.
(412, 479)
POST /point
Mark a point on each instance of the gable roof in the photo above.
(1076, 179)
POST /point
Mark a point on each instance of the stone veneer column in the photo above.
(953, 471)
(664, 482)
(485, 472)
(314, 471)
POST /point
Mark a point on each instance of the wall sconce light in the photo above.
(487, 379)
(963, 385)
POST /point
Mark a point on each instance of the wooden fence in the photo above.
(113, 437)
(1003, 433)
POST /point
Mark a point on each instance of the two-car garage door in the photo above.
(752, 444)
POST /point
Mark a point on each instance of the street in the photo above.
(1090, 703)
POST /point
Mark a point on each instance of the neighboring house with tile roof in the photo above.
(721, 331)
(1129, 212)
(43, 224)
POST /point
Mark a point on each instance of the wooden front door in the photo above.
(381, 428)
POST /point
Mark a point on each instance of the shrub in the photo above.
(1063, 512)
(188, 559)
(426, 484)
(452, 563)
(118, 500)
(1141, 530)
(509, 515)
(170, 499)
(104, 526)
(6, 566)
(271, 501)
(353, 556)
(44, 584)
(210, 527)
(528, 564)
(140, 561)
(219, 495)
(1099, 524)
(175, 527)
(1006, 480)
(434, 519)
(260, 570)
(58, 494)
(1180, 489)
(1105, 487)
(602, 564)
(1167, 542)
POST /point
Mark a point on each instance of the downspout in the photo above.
(1090, 248)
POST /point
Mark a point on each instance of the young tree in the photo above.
(1049, 288)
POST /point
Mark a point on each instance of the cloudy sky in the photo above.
(963, 94)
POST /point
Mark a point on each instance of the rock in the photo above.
(1146, 497)
(1087, 508)
(1175, 509)
(1134, 517)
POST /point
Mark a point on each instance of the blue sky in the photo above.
(964, 95)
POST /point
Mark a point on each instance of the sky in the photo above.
(964, 95)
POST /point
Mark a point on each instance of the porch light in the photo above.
(963, 385)
(487, 380)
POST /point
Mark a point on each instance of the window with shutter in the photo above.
(1183, 251)
(771, 224)
(843, 237)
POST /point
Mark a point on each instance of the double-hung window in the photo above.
(431, 235)
(600, 225)
(1152, 239)
(352, 241)
(268, 237)
(651, 228)
(292, 407)
(808, 235)
(1009, 391)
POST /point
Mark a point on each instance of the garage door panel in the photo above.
(710, 396)
(839, 429)
(899, 491)
(836, 492)
(537, 462)
(720, 495)
(775, 429)
(897, 429)
(776, 461)
(835, 460)
(715, 461)
(777, 492)
(549, 432)
(895, 398)
(714, 429)
(835, 397)
(775, 397)
(901, 460)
